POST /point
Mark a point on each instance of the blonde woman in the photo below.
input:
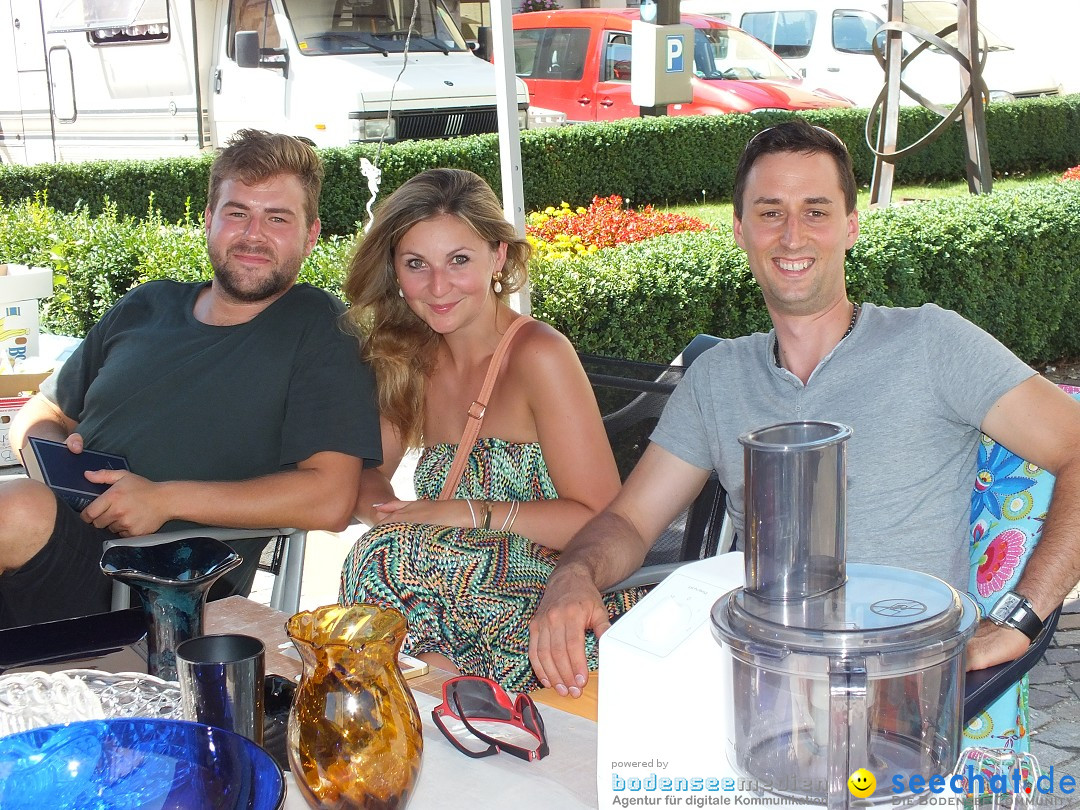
(428, 287)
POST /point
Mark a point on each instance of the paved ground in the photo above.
(1055, 698)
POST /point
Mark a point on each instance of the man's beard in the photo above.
(278, 278)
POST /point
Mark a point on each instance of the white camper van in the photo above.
(86, 79)
(831, 43)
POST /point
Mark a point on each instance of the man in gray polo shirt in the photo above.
(917, 386)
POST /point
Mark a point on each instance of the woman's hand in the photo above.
(454, 512)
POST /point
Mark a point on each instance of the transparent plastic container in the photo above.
(870, 675)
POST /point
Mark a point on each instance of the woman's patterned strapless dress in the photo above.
(467, 594)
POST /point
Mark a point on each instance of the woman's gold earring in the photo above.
(497, 286)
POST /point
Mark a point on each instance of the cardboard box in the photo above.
(21, 283)
(20, 289)
(14, 392)
(19, 338)
(9, 406)
(21, 385)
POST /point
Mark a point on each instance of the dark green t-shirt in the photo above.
(186, 401)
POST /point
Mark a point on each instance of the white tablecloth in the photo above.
(449, 780)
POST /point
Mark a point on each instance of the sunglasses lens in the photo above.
(505, 734)
(465, 738)
(478, 698)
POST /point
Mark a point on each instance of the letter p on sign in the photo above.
(675, 52)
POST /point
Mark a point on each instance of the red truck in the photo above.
(577, 61)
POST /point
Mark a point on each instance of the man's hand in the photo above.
(74, 442)
(571, 605)
(994, 644)
(131, 506)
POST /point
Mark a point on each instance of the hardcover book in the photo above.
(52, 463)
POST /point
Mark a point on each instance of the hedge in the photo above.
(1007, 261)
(648, 160)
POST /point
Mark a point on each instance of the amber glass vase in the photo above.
(354, 737)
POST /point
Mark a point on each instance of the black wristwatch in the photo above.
(1015, 611)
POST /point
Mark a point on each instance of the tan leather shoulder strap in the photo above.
(477, 411)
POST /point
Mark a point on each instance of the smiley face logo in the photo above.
(862, 783)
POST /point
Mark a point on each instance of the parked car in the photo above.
(577, 61)
(830, 42)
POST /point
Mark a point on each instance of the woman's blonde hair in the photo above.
(398, 344)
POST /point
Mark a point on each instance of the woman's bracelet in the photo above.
(488, 506)
(471, 512)
(511, 516)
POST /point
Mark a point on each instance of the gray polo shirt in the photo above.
(913, 384)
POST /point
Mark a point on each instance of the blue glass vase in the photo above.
(173, 580)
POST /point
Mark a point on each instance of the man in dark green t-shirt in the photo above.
(238, 402)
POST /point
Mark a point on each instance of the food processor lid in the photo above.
(879, 609)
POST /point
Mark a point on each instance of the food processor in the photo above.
(834, 666)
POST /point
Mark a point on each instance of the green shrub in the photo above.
(659, 160)
(1006, 261)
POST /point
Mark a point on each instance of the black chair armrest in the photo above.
(983, 686)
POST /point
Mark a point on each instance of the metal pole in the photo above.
(889, 118)
(976, 151)
(502, 35)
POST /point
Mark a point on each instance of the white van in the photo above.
(157, 78)
(831, 43)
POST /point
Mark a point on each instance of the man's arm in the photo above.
(609, 548)
(319, 494)
(1041, 424)
(41, 418)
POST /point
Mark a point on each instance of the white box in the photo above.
(663, 715)
(20, 289)
(18, 330)
(20, 283)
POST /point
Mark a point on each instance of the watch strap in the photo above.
(1023, 618)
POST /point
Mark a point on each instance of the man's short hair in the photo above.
(796, 136)
(253, 156)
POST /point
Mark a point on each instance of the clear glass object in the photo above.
(354, 738)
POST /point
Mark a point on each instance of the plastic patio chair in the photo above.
(287, 565)
(632, 396)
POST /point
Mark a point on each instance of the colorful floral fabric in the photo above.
(1008, 507)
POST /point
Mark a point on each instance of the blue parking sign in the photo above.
(675, 50)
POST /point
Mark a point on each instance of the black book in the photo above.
(62, 470)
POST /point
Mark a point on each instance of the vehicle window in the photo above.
(787, 32)
(373, 26)
(109, 22)
(526, 49)
(853, 31)
(616, 58)
(253, 15)
(555, 53)
(728, 53)
(153, 32)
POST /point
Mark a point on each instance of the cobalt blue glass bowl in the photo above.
(136, 763)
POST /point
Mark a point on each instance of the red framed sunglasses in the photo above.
(479, 719)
